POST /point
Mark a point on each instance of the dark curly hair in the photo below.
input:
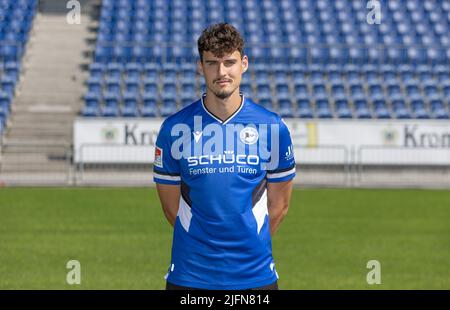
(220, 39)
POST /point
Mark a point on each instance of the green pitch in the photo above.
(122, 240)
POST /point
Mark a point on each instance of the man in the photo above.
(223, 168)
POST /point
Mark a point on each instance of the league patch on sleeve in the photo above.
(158, 157)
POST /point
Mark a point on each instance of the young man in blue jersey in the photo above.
(223, 169)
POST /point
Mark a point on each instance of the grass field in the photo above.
(123, 241)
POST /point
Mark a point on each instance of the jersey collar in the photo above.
(230, 117)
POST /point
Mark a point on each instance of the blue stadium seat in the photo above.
(130, 106)
(103, 53)
(113, 85)
(2, 124)
(186, 101)
(267, 103)
(412, 90)
(304, 109)
(11, 52)
(96, 70)
(418, 108)
(285, 108)
(132, 70)
(376, 91)
(319, 91)
(263, 79)
(132, 84)
(111, 105)
(12, 69)
(246, 89)
(5, 102)
(282, 89)
(400, 109)
(7, 85)
(263, 92)
(168, 107)
(394, 91)
(438, 110)
(90, 111)
(342, 108)
(362, 108)
(380, 108)
(323, 108)
(430, 88)
(357, 91)
(338, 91)
(114, 70)
(169, 76)
(168, 91)
(417, 56)
(94, 84)
(92, 99)
(150, 87)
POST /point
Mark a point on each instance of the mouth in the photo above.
(223, 82)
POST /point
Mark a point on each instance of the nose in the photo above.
(221, 70)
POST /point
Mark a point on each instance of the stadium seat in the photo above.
(400, 109)
(267, 103)
(437, 109)
(323, 108)
(168, 107)
(304, 109)
(285, 108)
(362, 108)
(342, 108)
(111, 105)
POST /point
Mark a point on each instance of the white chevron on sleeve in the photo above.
(260, 210)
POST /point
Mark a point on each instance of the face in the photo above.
(223, 75)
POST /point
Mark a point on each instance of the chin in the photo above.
(223, 95)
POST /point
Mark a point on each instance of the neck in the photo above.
(222, 108)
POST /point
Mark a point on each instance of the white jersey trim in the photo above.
(280, 174)
(228, 119)
(260, 211)
(166, 177)
(185, 214)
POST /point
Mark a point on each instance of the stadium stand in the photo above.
(16, 18)
(309, 59)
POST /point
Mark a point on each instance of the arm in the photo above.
(169, 195)
(278, 197)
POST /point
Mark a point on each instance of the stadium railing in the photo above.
(25, 164)
(119, 164)
(400, 166)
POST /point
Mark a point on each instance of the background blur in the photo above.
(364, 87)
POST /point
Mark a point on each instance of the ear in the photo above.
(244, 63)
(199, 67)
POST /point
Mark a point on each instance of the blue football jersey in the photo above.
(221, 236)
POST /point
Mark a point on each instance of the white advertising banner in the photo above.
(116, 140)
(393, 142)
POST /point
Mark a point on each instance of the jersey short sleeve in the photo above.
(166, 170)
(286, 161)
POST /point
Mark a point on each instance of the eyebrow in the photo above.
(216, 61)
